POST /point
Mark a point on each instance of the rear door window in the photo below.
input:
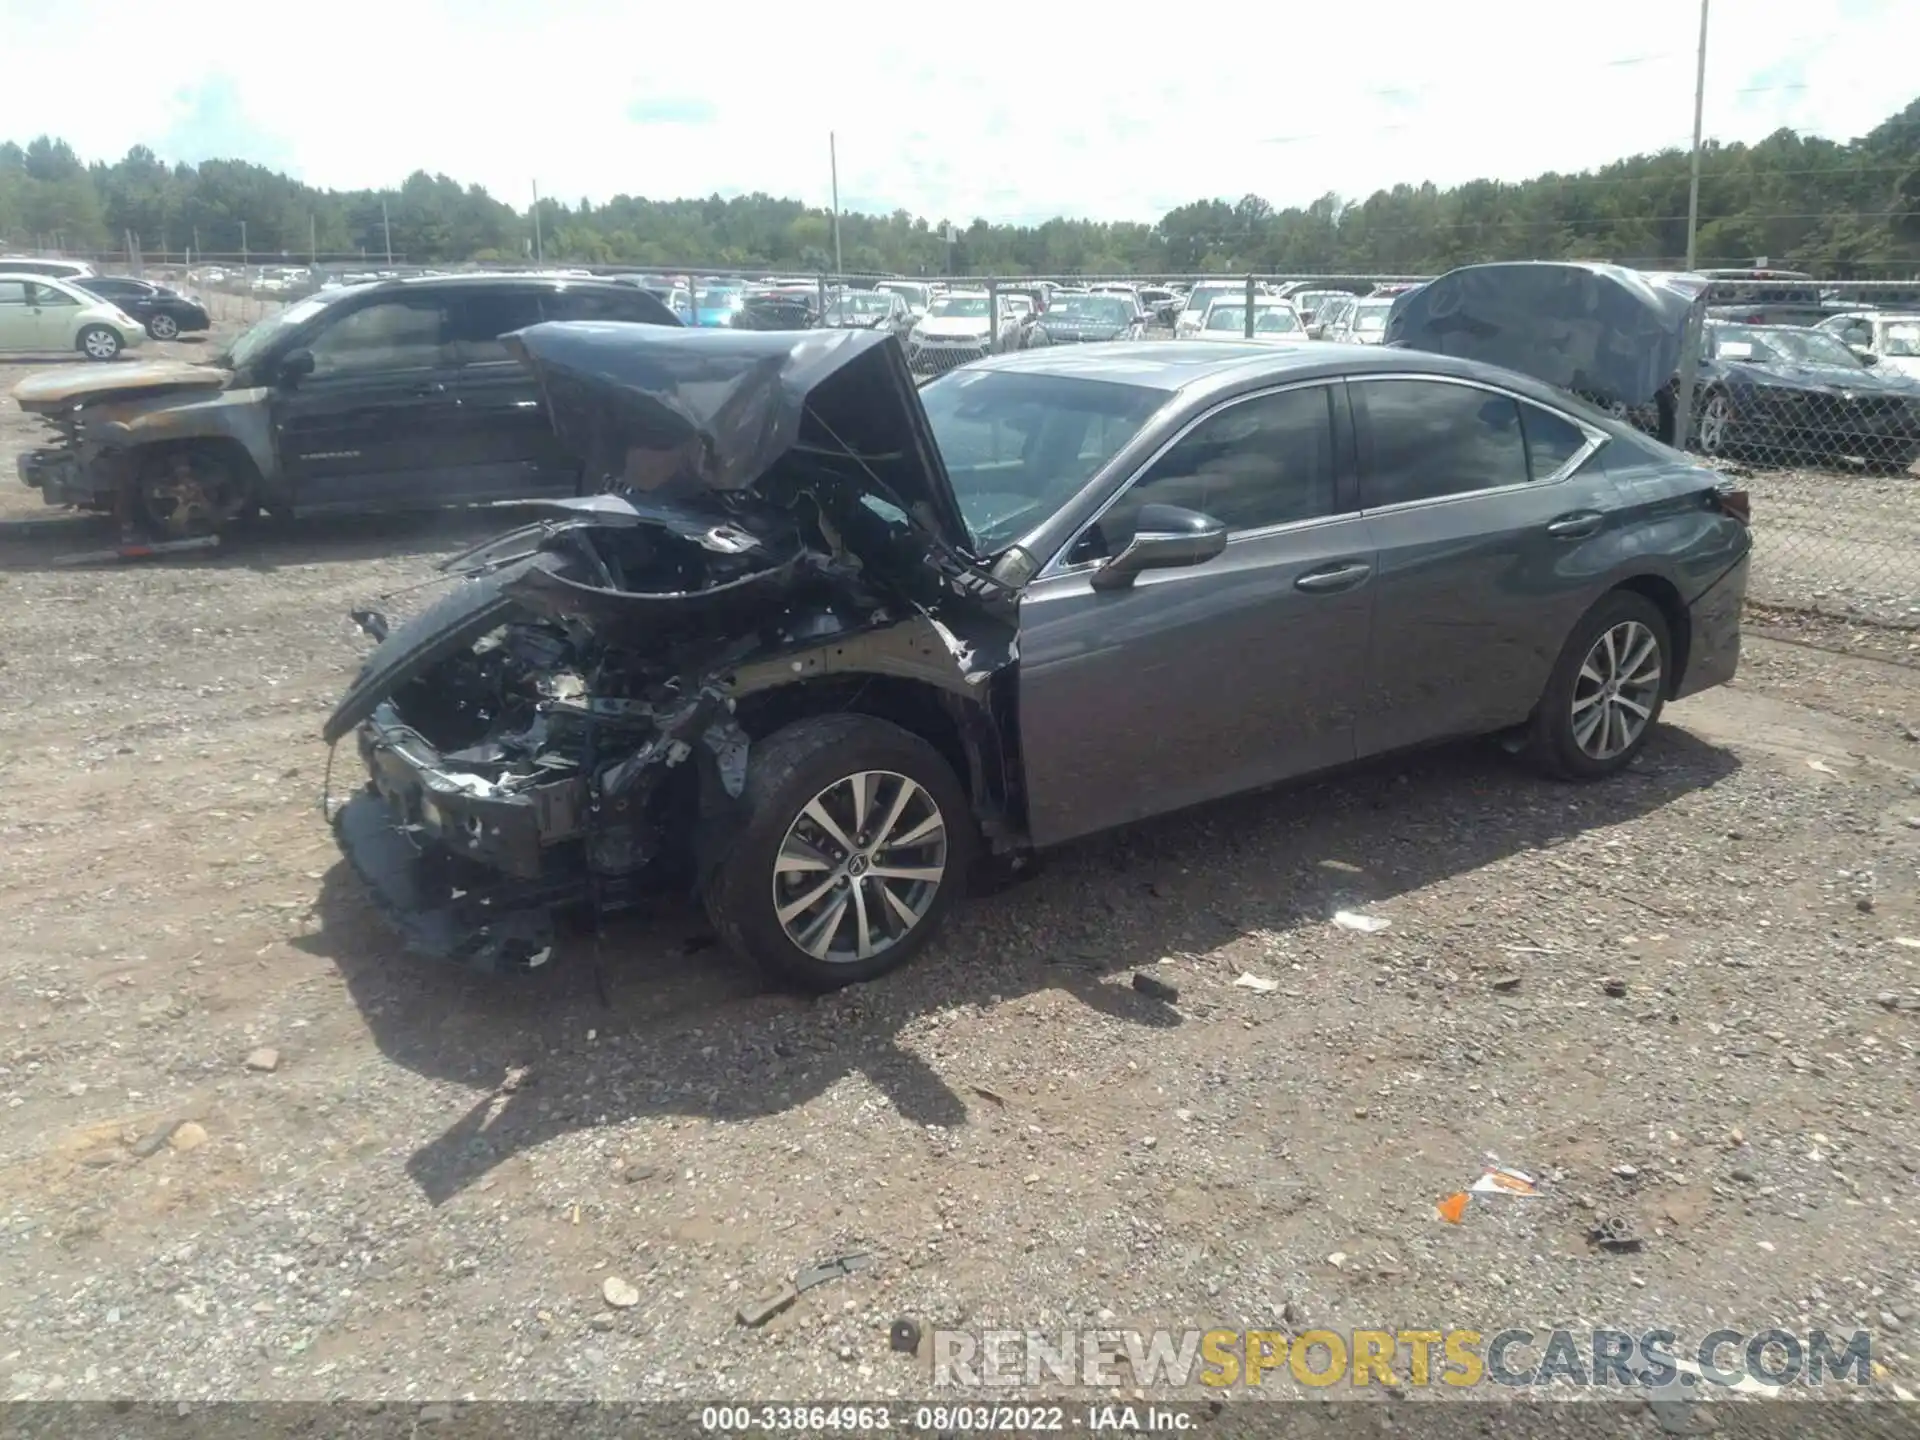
(1427, 439)
(476, 321)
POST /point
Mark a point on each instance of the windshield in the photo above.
(913, 294)
(1274, 320)
(1371, 317)
(1019, 445)
(1789, 347)
(1203, 295)
(1900, 340)
(243, 351)
(1091, 310)
(718, 299)
(1232, 318)
(862, 306)
(964, 307)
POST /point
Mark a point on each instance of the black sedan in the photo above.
(847, 636)
(166, 314)
(1779, 393)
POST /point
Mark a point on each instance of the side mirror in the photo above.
(1866, 356)
(294, 366)
(1165, 537)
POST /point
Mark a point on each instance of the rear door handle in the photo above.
(1343, 576)
(1576, 526)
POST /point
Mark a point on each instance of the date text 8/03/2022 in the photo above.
(946, 1419)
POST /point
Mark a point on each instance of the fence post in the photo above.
(822, 279)
(993, 317)
(1689, 371)
(1249, 329)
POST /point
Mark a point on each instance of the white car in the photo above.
(1891, 338)
(917, 296)
(41, 315)
(1194, 310)
(1364, 324)
(1275, 321)
(58, 269)
(956, 329)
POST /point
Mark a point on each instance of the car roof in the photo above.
(1227, 365)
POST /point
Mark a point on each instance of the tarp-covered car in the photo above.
(825, 637)
(1609, 334)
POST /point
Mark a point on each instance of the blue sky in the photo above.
(998, 116)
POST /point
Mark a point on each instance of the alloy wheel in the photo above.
(860, 866)
(1615, 691)
(164, 327)
(101, 344)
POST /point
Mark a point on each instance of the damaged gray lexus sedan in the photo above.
(827, 644)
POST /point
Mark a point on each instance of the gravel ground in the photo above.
(1689, 998)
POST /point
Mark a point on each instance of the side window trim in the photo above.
(1363, 427)
(1058, 564)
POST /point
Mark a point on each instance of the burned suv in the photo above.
(827, 635)
(396, 395)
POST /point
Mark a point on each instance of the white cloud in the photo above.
(993, 115)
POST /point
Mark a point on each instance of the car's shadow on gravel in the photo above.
(46, 542)
(688, 1030)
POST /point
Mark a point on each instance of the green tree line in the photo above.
(1839, 209)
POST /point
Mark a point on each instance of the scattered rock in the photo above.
(904, 1336)
(188, 1135)
(1155, 989)
(1888, 999)
(1889, 1320)
(633, 1173)
(1626, 1172)
(1742, 1174)
(618, 1293)
(264, 1061)
(1506, 984)
(1864, 904)
(438, 1413)
(1259, 984)
(100, 1159)
(1614, 986)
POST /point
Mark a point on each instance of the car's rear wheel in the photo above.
(99, 342)
(163, 327)
(857, 839)
(1606, 691)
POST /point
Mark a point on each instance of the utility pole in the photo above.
(1699, 111)
(243, 245)
(833, 160)
(313, 244)
(386, 225)
(537, 254)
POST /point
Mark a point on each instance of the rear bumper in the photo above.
(1713, 654)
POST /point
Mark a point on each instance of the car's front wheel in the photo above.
(1606, 690)
(1713, 429)
(99, 342)
(856, 842)
(163, 327)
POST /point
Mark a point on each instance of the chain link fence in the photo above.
(1811, 401)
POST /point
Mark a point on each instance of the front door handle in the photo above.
(432, 387)
(1343, 576)
(1577, 526)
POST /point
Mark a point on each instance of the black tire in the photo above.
(98, 342)
(785, 773)
(163, 327)
(1553, 745)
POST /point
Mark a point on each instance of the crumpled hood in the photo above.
(675, 413)
(1602, 330)
(56, 389)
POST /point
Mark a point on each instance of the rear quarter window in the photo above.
(1552, 440)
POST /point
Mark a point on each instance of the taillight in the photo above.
(1736, 503)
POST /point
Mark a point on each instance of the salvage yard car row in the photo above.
(821, 641)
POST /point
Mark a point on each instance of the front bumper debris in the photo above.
(415, 884)
(62, 479)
